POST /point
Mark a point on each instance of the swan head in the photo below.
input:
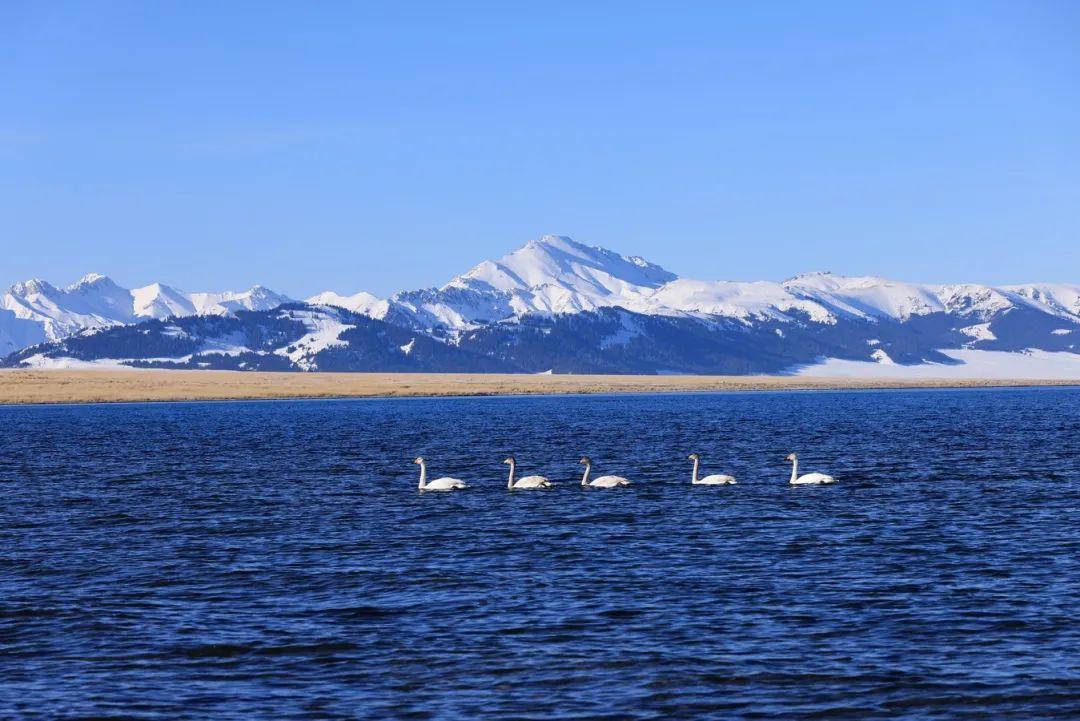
(693, 457)
(509, 460)
(790, 457)
(418, 460)
(586, 461)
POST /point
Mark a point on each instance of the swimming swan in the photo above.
(527, 481)
(602, 481)
(809, 479)
(716, 479)
(439, 484)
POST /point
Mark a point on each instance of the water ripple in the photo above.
(275, 560)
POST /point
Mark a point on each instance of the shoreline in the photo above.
(37, 387)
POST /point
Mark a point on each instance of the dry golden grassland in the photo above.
(98, 386)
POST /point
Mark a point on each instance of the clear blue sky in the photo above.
(378, 146)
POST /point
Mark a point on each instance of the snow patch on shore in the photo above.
(1026, 365)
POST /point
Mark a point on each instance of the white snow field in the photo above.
(1027, 365)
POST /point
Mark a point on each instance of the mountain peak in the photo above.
(552, 239)
(811, 274)
(91, 280)
(262, 296)
(33, 286)
(562, 261)
(567, 244)
(562, 242)
(362, 302)
(556, 274)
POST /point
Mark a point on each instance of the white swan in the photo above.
(439, 484)
(716, 479)
(527, 481)
(808, 479)
(602, 481)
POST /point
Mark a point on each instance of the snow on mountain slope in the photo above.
(324, 329)
(979, 331)
(557, 275)
(979, 301)
(95, 301)
(871, 297)
(295, 337)
(97, 295)
(742, 301)
(865, 297)
(1062, 299)
(256, 298)
(18, 333)
(361, 302)
(590, 272)
(509, 300)
(455, 308)
(552, 275)
(161, 301)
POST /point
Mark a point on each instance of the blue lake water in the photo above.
(275, 560)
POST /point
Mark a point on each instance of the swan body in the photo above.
(608, 482)
(439, 484)
(526, 482)
(807, 479)
(602, 481)
(716, 479)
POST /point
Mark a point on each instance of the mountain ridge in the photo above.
(564, 290)
(42, 311)
(499, 290)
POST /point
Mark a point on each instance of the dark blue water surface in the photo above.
(275, 560)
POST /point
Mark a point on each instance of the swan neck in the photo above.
(693, 478)
(585, 478)
(510, 482)
(423, 475)
(794, 470)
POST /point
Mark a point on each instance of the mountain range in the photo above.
(553, 305)
(36, 311)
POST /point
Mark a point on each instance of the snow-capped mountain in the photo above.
(93, 301)
(557, 304)
(548, 276)
(35, 311)
(557, 275)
